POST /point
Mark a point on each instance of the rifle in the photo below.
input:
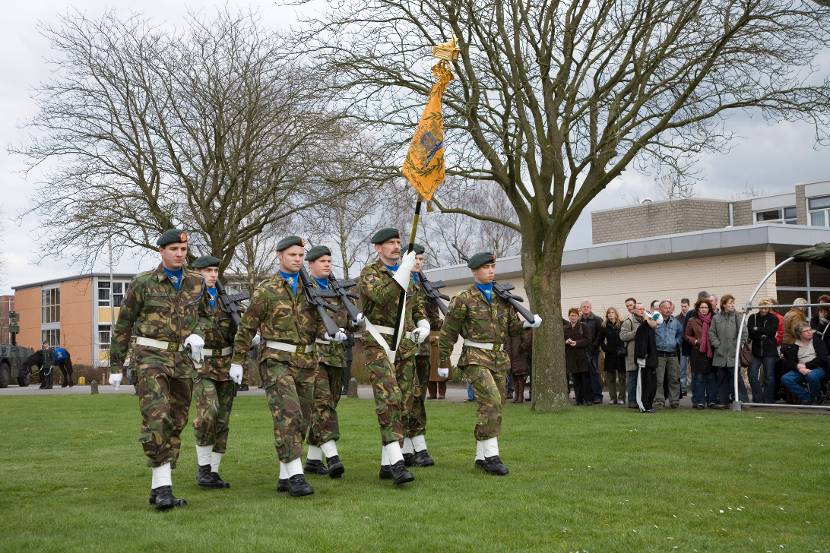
(503, 291)
(315, 297)
(432, 293)
(231, 303)
(341, 288)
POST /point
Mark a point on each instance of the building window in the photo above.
(52, 337)
(819, 215)
(50, 305)
(118, 290)
(103, 337)
(784, 215)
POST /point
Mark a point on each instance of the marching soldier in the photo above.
(415, 419)
(485, 322)
(161, 311)
(325, 429)
(288, 325)
(381, 283)
(213, 388)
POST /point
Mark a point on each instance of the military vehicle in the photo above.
(12, 358)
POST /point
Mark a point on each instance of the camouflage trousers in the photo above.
(413, 392)
(214, 401)
(324, 423)
(490, 387)
(290, 393)
(164, 402)
(388, 399)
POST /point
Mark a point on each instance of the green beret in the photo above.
(417, 248)
(206, 261)
(481, 258)
(289, 241)
(171, 236)
(317, 252)
(385, 234)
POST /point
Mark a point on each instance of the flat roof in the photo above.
(74, 277)
(777, 237)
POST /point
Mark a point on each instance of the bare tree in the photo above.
(213, 129)
(555, 99)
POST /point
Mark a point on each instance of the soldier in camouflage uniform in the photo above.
(213, 388)
(381, 283)
(288, 325)
(325, 428)
(415, 417)
(161, 311)
(484, 321)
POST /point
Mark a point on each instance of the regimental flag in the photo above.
(424, 164)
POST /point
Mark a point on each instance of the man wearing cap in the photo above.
(161, 312)
(288, 325)
(381, 283)
(213, 388)
(484, 321)
(413, 383)
(325, 429)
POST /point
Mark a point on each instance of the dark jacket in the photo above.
(519, 350)
(593, 326)
(820, 326)
(699, 362)
(614, 348)
(645, 345)
(576, 359)
(685, 348)
(762, 330)
(790, 352)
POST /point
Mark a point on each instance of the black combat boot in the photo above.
(385, 472)
(282, 485)
(162, 498)
(493, 465)
(479, 464)
(399, 473)
(206, 479)
(297, 486)
(408, 459)
(313, 466)
(422, 459)
(336, 468)
(222, 483)
(242, 388)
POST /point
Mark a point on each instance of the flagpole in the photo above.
(402, 298)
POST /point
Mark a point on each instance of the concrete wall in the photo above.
(659, 219)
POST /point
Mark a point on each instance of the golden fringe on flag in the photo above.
(424, 164)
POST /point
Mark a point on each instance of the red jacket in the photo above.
(780, 334)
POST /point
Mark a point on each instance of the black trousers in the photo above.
(66, 374)
(648, 387)
(582, 388)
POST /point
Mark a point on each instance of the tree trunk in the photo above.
(542, 275)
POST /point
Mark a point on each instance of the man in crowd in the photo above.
(684, 350)
(594, 326)
(628, 330)
(668, 337)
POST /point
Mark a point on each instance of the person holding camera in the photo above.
(614, 349)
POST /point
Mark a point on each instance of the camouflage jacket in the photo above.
(282, 317)
(433, 315)
(379, 297)
(218, 330)
(153, 308)
(332, 354)
(472, 317)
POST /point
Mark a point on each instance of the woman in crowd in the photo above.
(704, 376)
(614, 350)
(806, 364)
(762, 328)
(821, 319)
(723, 334)
(576, 357)
(520, 349)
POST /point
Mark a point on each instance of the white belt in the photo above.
(217, 352)
(385, 330)
(482, 345)
(290, 348)
(158, 344)
(321, 341)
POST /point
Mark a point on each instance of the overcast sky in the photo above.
(771, 159)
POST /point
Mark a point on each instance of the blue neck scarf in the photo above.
(212, 292)
(175, 277)
(416, 279)
(291, 279)
(487, 290)
(392, 268)
(323, 282)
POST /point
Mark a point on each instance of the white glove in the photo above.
(339, 336)
(421, 333)
(115, 380)
(443, 372)
(404, 272)
(537, 321)
(236, 372)
(641, 362)
(256, 340)
(359, 322)
(196, 343)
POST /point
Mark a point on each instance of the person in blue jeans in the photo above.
(806, 364)
(762, 327)
(471, 395)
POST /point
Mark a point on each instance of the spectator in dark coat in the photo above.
(645, 350)
(762, 328)
(520, 349)
(577, 342)
(614, 349)
(704, 376)
(806, 363)
(593, 325)
(820, 321)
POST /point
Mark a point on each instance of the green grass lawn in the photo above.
(591, 479)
